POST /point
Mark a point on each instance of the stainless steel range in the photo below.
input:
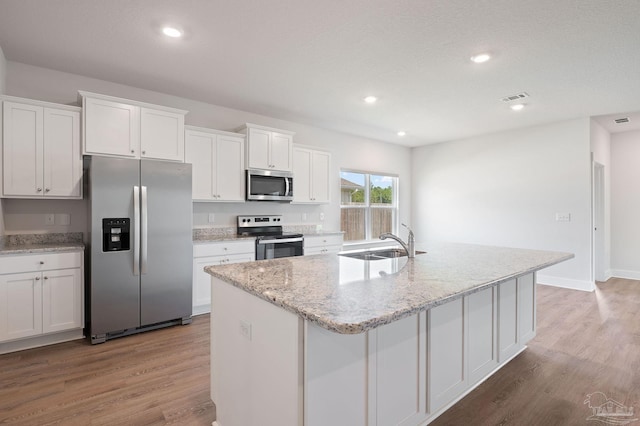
(271, 242)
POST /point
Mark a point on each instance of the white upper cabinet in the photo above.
(311, 170)
(41, 150)
(268, 148)
(125, 128)
(217, 160)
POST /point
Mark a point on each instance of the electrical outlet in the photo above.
(321, 215)
(304, 217)
(212, 217)
(49, 219)
(563, 217)
(245, 329)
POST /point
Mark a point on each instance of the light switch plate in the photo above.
(563, 217)
(212, 217)
(49, 219)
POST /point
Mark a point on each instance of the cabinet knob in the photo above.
(42, 262)
(46, 278)
(47, 190)
(144, 152)
(37, 278)
(39, 189)
(132, 151)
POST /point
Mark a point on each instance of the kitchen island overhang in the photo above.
(330, 339)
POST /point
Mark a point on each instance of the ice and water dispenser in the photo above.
(115, 234)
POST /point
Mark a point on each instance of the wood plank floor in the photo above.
(586, 342)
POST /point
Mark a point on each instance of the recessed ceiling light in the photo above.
(480, 58)
(171, 32)
(402, 133)
(370, 99)
(517, 107)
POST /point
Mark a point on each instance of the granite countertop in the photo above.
(40, 243)
(350, 296)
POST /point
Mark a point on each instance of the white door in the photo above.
(302, 175)
(111, 128)
(20, 305)
(258, 148)
(161, 135)
(598, 223)
(199, 151)
(281, 151)
(61, 300)
(22, 150)
(320, 176)
(62, 156)
(229, 168)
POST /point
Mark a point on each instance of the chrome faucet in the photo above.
(410, 247)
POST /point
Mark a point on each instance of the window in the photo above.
(368, 205)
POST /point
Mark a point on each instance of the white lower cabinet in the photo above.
(217, 253)
(405, 373)
(322, 244)
(40, 295)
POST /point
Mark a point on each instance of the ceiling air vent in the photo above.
(516, 97)
(621, 120)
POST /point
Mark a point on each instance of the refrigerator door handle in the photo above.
(143, 232)
(136, 230)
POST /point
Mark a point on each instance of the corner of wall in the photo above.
(3, 87)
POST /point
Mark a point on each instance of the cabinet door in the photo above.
(229, 169)
(281, 151)
(482, 336)
(199, 148)
(22, 150)
(61, 300)
(446, 346)
(20, 305)
(320, 177)
(526, 308)
(62, 157)
(161, 135)
(302, 175)
(507, 320)
(202, 280)
(111, 128)
(258, 142)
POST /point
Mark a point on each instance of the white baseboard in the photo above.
(565, 282)
(621, 273)
(42, 340)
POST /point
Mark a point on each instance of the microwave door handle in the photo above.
(287, 186)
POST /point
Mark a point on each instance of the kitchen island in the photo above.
(330, 339)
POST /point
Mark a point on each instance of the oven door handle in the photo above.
(281, 240)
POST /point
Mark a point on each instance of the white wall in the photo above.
(347, 151)
(601, 149)
(625, 204)
(506, 188)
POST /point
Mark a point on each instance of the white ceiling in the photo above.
(313, 61)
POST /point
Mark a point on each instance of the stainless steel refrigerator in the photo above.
(139, 269)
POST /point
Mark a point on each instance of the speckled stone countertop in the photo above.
(350, 296)
(40, 243)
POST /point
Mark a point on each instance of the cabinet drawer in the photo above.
(323, 240)
(39, 262)
(224, 248)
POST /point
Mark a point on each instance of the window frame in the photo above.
(394, 206)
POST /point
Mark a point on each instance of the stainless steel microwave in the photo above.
(269, 185)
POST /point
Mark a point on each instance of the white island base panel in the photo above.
(270, 367)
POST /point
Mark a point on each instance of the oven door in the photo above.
(274, 248)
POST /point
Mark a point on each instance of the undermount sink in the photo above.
(388, 253)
